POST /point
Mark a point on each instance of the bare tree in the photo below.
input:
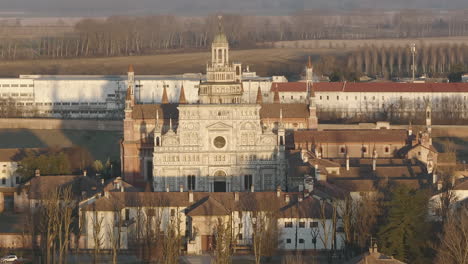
(348, 215)
(264, 223)
(98, 235)
(172, 239)
(224, 241)
(65, 221)
(454, 239)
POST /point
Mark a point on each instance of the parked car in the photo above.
(9, 259)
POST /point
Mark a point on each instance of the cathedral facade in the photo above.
(221, 143)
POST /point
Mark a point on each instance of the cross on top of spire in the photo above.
(220, 23)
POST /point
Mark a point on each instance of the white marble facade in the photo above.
(219, 148)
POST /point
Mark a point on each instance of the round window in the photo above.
(219, 142)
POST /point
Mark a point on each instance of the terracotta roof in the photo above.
(309, 207)
(402, 171)
(368, 185)
(384, 87)
(392, 87)
(462, 186)
(289, 110)
(9, 154)
(327, 190)
(148, 111)
(113, 185)
(323, 163)
(137, 199)
(351, 136)
(208, 206)
(39, 187)
(288, 87)
(205, 203)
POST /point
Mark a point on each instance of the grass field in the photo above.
(264, 61)
(100, 144)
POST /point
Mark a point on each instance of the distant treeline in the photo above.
(122, 36)
(444, 60)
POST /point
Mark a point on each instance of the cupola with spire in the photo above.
(259, 96)
(182, 99)
(165, 99)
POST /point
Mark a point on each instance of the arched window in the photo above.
(191, 182)
(220, 55)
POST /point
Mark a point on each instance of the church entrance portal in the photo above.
(219, 184)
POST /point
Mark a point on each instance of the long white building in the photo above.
(94, 96)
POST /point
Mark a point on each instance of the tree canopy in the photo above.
(404, 233)
(47, 163)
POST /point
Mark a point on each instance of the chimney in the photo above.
(37, 173)
(121, 188)
(347, 162)
(181, 188)
(374, 160)
(278, 191)
(106, 194)
(236, 196)
(439, 185)
(286, 198)
(167, 188)
(252, 188)
(102, 181)
(190, 197)
(85, 173)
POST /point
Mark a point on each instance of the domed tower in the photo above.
(220, 48)
(223, 78)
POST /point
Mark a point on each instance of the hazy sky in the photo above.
(107, 7)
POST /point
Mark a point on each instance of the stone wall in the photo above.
(46, 123)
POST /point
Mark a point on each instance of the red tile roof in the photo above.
(289, 86)
(384, 87)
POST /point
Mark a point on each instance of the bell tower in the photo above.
(313, 120)
(223, 78)
(220, 47)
